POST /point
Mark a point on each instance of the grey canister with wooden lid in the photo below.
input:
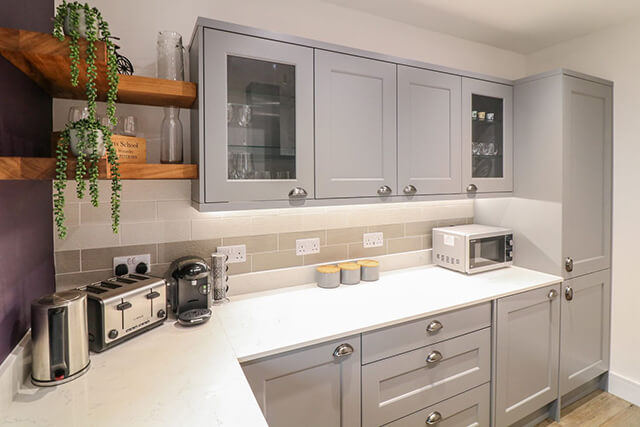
(328, 276)
(369, 270)
(349, 273)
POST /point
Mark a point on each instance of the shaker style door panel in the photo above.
(309, 387)
(355, 126)
(487, 136)
(586, 191)
(258, 119)
(429, 140)
(584, 346)
(401, 385)
(528, 341)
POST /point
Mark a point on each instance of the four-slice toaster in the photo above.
(122, 307)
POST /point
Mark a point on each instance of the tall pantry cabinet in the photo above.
(562, 179)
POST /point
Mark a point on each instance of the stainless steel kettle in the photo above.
(60, 338)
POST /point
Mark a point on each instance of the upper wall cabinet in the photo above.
(487, 135)
(258, 119)
(429, 142)
(355, 125)
(586, 211)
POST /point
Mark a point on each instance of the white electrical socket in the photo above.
(307, 246)
(372, 240)
(236, 253)
(131, 261)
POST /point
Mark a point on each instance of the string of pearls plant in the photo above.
(90, 136)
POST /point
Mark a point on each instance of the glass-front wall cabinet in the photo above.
(487, 136)
(259, 127)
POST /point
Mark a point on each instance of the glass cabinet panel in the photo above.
(261, 117)
(487, 137)
(257, 120)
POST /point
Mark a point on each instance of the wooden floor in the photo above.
(598, 409)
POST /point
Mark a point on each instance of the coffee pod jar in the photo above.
(349, 273)
(328, 276)
(369, 270)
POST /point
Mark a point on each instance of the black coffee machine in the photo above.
(189, 290)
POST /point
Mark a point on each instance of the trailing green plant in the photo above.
(87, 131)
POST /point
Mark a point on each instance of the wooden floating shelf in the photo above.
(45, 60)
(44, 168)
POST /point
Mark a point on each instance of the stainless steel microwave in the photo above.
(472, 248)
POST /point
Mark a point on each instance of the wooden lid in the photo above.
(368, 263)
(349, 266)
(328, 269)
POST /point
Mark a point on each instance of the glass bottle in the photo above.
(171, 136)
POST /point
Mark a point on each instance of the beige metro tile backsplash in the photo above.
(158, 214)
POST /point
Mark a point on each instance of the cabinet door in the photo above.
(310, 387)
(258, 111)
(586, 216)
(487, 136)
(584, 345)
(428, 132)
(528, 341)
(355, 126)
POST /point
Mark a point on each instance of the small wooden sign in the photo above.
(130, 149)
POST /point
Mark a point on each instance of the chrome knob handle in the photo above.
(434, 357)
(434, 326)
(384, 190)
(343, 350)
(472, 188)
(568, 293)
(409, 189)
(298, 193)
(552, 294)
(433, 418)
(568, 264)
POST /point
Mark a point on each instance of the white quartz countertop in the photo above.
(176, 376)
(259, 325)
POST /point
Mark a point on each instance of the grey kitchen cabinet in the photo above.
(429, 132)
(469, 409)
(398, 386)
(355, 126)
(315, 386)
(487, 136)
(584, 344)
(587, 163)
(256, 119)
(563, 175)
(527, 353)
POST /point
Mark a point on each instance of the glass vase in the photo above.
(171, 136)
(170, 56)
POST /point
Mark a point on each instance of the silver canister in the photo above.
(219, 278)
(349, 273)
(328, 276)
(369, 270)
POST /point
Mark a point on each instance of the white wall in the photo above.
(137, 24)
(613, 54)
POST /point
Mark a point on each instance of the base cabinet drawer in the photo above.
(469, 409)
(401, 385)
(398, 339)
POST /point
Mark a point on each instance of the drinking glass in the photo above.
(244, 115)
(78, 113)
(170, 56)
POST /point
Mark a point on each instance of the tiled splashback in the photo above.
(157, 218)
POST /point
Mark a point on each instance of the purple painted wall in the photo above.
(26, 226)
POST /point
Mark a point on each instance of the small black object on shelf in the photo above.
(124, 65)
